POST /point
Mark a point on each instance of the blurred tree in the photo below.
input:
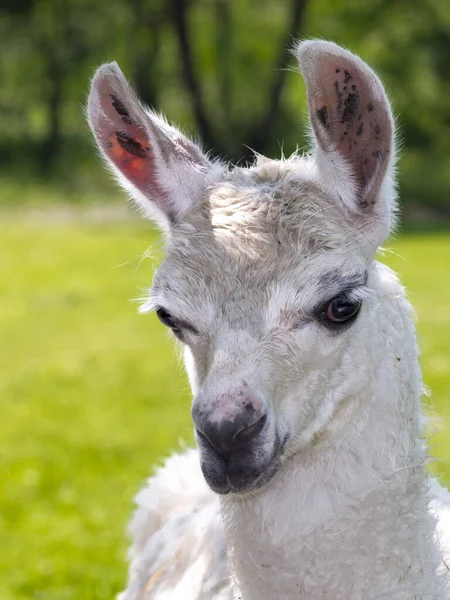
(149, 20)
(263, 127)
(179, 12)
(56, 30)
(219, 68)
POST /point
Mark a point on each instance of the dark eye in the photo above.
(341, 309)
(166, 319)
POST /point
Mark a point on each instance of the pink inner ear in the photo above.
(350, 114)
(132, 156)
(123, 139)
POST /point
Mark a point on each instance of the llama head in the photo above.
(267, 278)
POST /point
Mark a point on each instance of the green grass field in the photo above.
(92, 395)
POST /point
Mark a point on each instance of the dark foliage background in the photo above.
(221, 70)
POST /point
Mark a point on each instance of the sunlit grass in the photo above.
(92, 395)
(423, 263)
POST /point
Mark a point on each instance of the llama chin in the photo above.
(301, 352)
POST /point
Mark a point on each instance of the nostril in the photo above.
(226, 437)
(205, 441)
(215, 440)
(251, 431)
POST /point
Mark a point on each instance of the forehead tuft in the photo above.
(273, 210)
(260, 227)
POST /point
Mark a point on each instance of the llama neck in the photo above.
(357, 532)
(350, 519)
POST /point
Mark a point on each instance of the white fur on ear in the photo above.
(353, 130)
(164, 172)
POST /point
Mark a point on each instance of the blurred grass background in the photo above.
(92, 395)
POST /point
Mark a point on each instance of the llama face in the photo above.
(267, 278)
(250, 296)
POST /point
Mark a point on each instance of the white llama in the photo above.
(301, 354)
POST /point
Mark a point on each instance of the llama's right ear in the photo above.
(164, 172)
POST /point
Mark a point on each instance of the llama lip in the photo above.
(260, 480)
(238, 474)
(240, 480)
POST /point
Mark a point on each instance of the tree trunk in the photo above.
(265, 129)
(146, 18)
(179, 11)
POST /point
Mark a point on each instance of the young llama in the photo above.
(301, 354)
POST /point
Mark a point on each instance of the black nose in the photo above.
(226, 437)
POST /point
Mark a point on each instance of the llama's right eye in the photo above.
(167, 319)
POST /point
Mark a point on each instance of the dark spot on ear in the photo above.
(338, 70)
(360, 129)
(347, 76)
(322, 115)
(119, 106)
(130, 145)
(351, 109)
(363, 203)
(127, 121)
(377, 129)
(353, 87)
(370, 107)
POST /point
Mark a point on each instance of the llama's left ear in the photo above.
(353, 130)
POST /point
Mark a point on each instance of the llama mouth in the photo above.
(253, 485)
(237, 475)
(240, 481)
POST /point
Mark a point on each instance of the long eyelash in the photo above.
(147, 307)
(150, 302)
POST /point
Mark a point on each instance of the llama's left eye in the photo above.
(341, 309)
